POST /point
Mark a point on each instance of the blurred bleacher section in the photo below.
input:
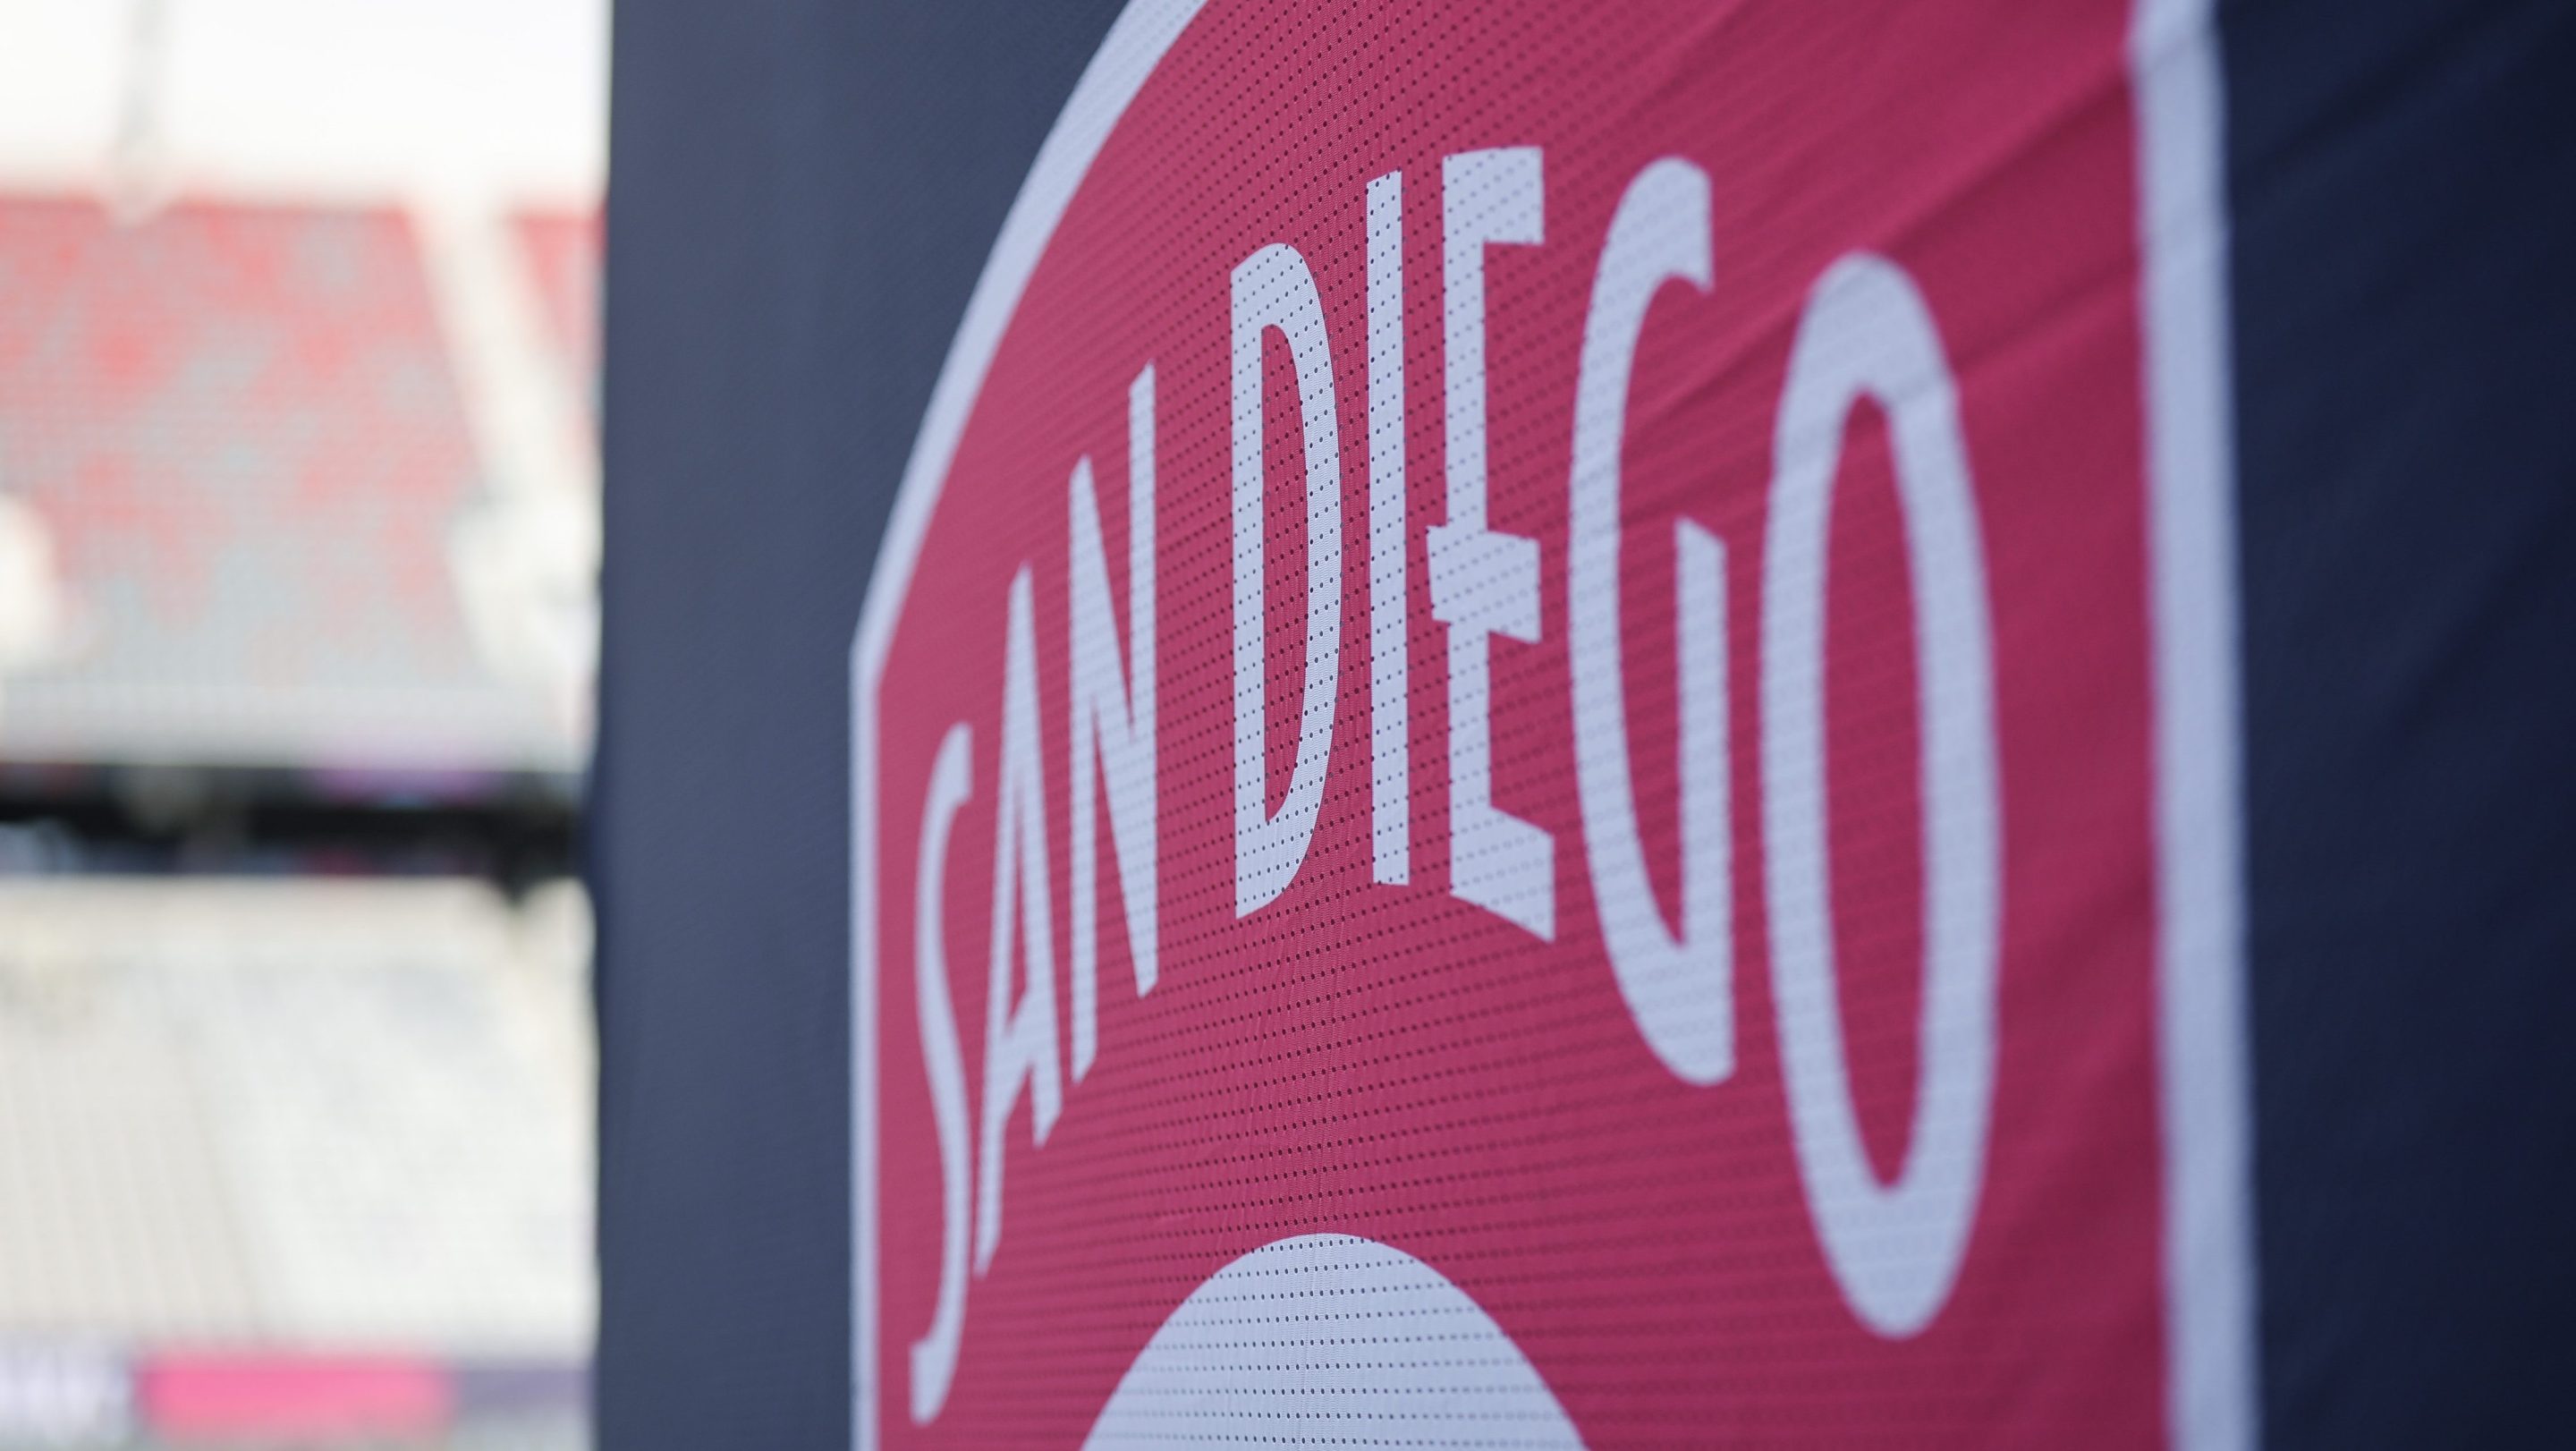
(290, 1158)
(298, 560)
(251, 518)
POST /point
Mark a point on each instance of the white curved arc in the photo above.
(1331, 1339)
(1136, 43)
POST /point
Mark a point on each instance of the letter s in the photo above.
(934, 1355)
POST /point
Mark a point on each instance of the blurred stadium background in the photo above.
(298, 615)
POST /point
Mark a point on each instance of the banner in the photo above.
(1650, 725)
(1541, 750)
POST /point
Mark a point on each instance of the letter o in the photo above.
(1895, 1249)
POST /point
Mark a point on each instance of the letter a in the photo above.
(1019, 1043)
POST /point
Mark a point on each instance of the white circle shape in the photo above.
(1330, 1339)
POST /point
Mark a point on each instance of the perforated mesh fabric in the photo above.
(1868, 1149)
